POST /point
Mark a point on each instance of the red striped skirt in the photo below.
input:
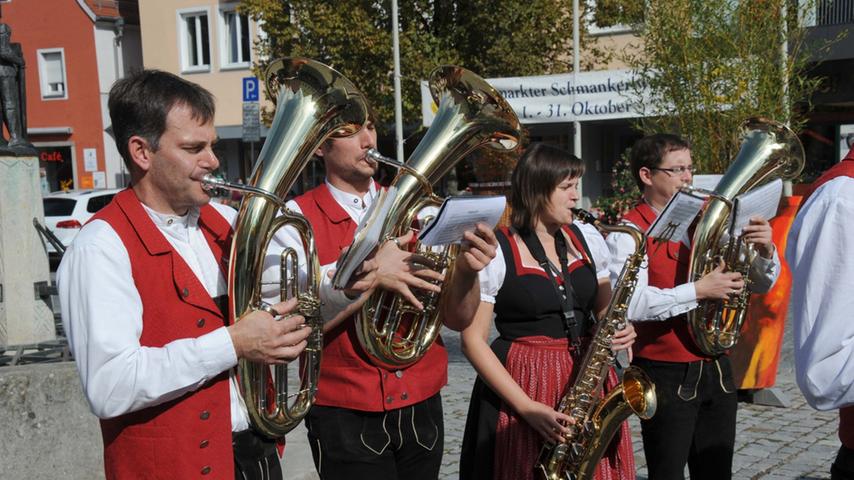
(543, 367)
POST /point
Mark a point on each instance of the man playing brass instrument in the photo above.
(368, 421)
(695, 420)
(142, 295)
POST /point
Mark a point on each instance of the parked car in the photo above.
(66, 212)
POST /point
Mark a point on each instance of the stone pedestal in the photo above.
(25, 317)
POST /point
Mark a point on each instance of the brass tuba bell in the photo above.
(313, 101)
(769, 150)
(471, 114)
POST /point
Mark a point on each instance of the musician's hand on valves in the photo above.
(258, 336)
(550, 424)
(399, 270)
(478, 249)
(718, 284)
(758, 233)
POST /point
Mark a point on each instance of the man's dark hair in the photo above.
(650, 150)
(140, 103)
(539, 171)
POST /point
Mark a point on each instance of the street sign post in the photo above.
(251, 111)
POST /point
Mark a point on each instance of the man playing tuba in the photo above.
(369, 421)
(142, 291)
(695, 420)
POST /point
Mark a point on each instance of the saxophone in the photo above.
(598, 418)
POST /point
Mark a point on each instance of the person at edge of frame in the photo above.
(821, 309)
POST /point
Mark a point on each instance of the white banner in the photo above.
(598, 95)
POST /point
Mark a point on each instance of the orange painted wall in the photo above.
(61, 24)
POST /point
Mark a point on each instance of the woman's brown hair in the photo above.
(539, 171)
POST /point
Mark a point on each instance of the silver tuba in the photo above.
(313, 101)
(769, 150)
(471, 114)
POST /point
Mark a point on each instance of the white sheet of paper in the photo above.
(673, 222)
(759, 202)
(462, 214)
(707, 181)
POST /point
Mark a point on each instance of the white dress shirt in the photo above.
(102, 314)
(492, 276)
(332, 300)
(653, 303)
(820, 252)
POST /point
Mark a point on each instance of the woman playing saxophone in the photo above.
(548, 282)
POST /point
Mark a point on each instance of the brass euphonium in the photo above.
(769, 150)
(313, 101)
(471, 114)
(597, 418)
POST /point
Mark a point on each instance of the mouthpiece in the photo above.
(375, 156)
(584, 215)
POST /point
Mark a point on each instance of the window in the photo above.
(58, 207)
(235, 41)
(98, 202)
(195, 41)
(52, 73)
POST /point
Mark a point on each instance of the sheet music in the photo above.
(673, 222)
(759, 202)
(366, 239)
(461, 214)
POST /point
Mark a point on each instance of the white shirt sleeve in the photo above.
(648, 302)
(332, 300)
(819, 252)
(492, 277)
(598, 249)
(102, 315)
(764, 272)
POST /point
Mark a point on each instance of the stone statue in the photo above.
(13, 96)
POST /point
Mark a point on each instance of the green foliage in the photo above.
(508, 38)
(625, 191)
(608, 13)
(711, 64)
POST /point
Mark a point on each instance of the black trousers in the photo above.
(694, 422)
(255, 457)
(404, 444)
(843, 466)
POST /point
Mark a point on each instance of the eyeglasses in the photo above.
(676, 170)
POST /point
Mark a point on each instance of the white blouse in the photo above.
(492, 276)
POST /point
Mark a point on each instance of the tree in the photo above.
(710, 64)
(508, 38)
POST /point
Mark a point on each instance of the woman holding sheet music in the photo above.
(546, 284)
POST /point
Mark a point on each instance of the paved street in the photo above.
(772, 443)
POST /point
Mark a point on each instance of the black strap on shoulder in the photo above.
(570, 325)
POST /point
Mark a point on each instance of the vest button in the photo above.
(205, 415)
(185, 292)
(404, 396)
(398, 374)
(206, 470)
(200, 322)
(389, 399)
(203, 444)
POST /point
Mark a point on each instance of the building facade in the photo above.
(210, 43)
(74, 50)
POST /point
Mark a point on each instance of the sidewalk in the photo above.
(772, 443)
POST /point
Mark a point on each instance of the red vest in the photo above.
(668, 340)
(347, 377)
(845, 168)
(190, 436)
